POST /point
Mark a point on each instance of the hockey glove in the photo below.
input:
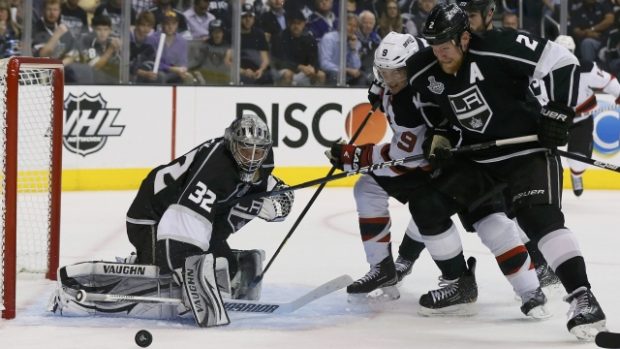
(375, 93)
(554, 124)
(437, 148)
(348, 157)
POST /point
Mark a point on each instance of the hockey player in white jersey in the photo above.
(373, 190)
(179, 222)
(592, 79)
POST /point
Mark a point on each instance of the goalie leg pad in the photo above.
(114, 278)
(250, 265)
(201, 292)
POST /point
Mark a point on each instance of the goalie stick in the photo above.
(607, 339)
(230, 304)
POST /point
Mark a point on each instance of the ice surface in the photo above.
(325, 245)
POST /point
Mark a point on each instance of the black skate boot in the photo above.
(379, 284)
(585, 317)
(403, 267)
(534, 305)
(577, 182)
(455, 297)
(547, 277)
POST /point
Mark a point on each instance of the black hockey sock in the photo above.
(410, 249)
(573, 274)
(452, 268)
(535, 254)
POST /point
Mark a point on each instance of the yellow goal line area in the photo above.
(129, 179)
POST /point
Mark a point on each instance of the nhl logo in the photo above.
(88, 123)
(434, 86)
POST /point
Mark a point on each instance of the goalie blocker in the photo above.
(205, 282)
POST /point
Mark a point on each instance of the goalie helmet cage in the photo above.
(31, 106)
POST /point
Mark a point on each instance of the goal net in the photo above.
(31, 107)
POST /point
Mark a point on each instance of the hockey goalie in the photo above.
(179, 223)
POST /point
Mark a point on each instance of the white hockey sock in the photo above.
(444, 246)
(559, 246)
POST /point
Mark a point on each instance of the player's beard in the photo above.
(451, 66)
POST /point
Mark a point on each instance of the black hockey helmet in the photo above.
(483, 6)
(445, 22)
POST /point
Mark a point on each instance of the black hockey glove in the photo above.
(554, 124)
(436, 148)
(375, 93)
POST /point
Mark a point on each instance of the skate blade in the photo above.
(466, 309)
(540, 313)
(588, 332)
(380, 295)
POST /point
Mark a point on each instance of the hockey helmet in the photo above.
(391, 57)
(446, 22)
(394, 50)
(483, 6)
(249, 141)
(566, 41)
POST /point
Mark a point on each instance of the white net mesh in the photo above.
(34, 163)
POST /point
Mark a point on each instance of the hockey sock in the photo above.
(412, 244)
(410, 249)
(501, 236)
(376, 237)
(537, 258)
(561, 250)
(447, 252)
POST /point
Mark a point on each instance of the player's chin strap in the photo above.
(201, 292)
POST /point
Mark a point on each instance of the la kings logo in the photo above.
(89, 123)
(471, 109)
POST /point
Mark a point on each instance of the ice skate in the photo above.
(534, 305)
(378, 285)
(403, 267)
(585, 316)
(454, 297)
(549, 281)
(577, 182)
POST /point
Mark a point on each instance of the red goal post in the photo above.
(31, 106)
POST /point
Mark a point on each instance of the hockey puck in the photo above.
(144, 338)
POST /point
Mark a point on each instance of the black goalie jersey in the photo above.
(488, 98)
(193, 190)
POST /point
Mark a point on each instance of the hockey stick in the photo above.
(600, 164)
(607, 339)
(230, 304)
(390, 163)
(318, 191)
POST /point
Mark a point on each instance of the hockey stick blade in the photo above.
(230, 304)
(284, 308)
(607, 339)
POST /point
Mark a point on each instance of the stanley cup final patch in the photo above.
(471, 109)
(435, 86)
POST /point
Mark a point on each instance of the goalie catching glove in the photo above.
(276, 208)
(554, 124)
(347, 157)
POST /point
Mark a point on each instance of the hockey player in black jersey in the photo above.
(179, 222)
(480, 15)
(479, 86)
(413, 182)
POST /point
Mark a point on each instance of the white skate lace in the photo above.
(373, 273)
(579, 304)
(402, 264)
(448, 288)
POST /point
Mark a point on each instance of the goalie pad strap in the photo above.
(201, 291)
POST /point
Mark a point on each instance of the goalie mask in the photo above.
(390, 65)
(249, 142)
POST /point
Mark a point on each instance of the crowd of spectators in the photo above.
(282, 42)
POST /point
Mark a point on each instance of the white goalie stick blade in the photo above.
(232, 304)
